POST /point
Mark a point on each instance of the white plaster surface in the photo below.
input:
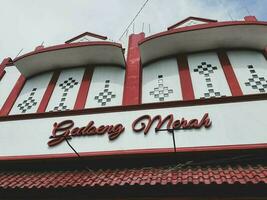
(40, 82)
(218, 80)
(240, 61)
(7, 83)
(232, 124)
(70, 99)
(168, 68)
(101, 74)
(191, 23)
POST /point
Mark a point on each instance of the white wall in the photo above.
(161, 82)
(250, 68)
(207, 76)
(31, 95)
(65, 93)
(106, 88)
(232, 124)
(7, 83)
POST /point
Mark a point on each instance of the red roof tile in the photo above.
(143, 176)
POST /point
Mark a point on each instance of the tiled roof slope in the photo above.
(246, 174)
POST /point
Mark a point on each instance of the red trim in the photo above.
(148, 106)
(200, 27)
(4, 63)
(2, 73)
(12, 96)
(139, 151)
(250, 18)
(86, 34)
(84, 88)
(185, 78)
(132, 84)
(265, 53)
(66, 46)
(191, 18)
(48, 92)
(229, 74)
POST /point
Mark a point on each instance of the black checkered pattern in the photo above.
(161, 92)
(28, 103)
(106, 96)
(66, 86)
(207, 69)
(256, 82)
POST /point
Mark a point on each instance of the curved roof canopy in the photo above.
(70, 55)
(201, 37)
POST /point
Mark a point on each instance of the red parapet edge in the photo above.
(139, 151)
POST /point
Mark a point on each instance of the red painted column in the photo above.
(3, 65)
(84, 89)
(229, 74)
(133, 77)
(185, 78)
(11, 99)
(48, 92)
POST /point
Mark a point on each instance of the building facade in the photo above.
(181, 116)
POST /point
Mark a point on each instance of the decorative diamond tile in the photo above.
(205, 70)
(161, 92)
(256, 82)
(28, 103)
(66, 86)
(105, 96)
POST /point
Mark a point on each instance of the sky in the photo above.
(29, 23)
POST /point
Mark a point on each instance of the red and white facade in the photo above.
(205, 80)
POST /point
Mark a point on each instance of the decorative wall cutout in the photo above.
(28, 103)
(106, 96)
(65, 86)
(161, 92)
(256, 82)
(205, 70)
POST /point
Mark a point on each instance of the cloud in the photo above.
(26, 24)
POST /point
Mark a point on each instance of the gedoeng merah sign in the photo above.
(210, 125)
(141, 124)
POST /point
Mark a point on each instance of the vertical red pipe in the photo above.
(229, 74)
(11, 99)
(48, 93)
(133, 77)
(185, 78)
(84, 89)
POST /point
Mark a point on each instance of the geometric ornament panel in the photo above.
(256, 82)
(31, 94)
(105, 96)
(28, 103)
(250, 68)
(207, 76)
(66, 90)
(161, 82)
(206, 70)
(161, 92)
(106, 87)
